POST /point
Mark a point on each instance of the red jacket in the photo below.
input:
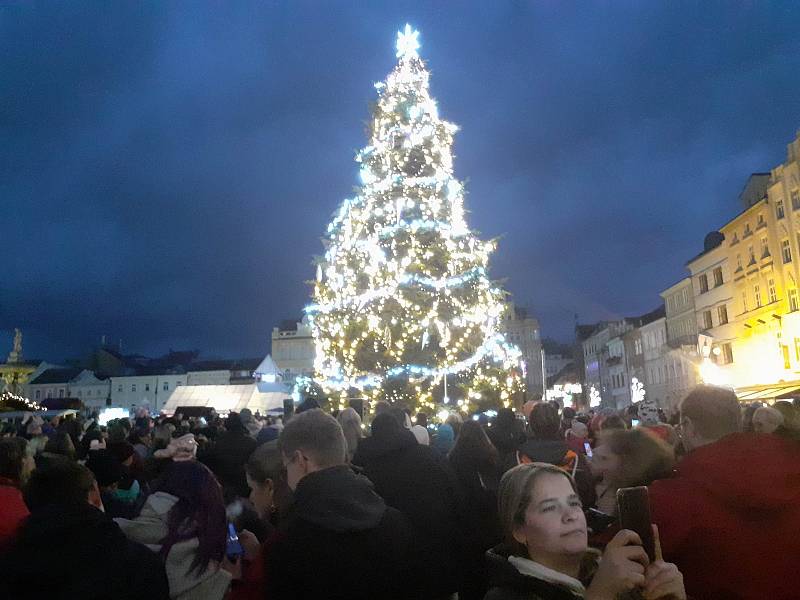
(730, 518)
(13, 511)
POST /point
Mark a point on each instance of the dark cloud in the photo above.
(166, 169)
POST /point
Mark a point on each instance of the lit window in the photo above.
(786, 251)
(727, 353)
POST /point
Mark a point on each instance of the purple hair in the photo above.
(199, 511)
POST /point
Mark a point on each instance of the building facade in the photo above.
(522, 330)
(293, 350)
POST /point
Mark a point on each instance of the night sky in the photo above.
(167, 168)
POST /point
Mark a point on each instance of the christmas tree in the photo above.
(403, 307)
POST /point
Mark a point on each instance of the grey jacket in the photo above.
(150, 527)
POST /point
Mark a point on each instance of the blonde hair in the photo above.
(350, 421)
(514, 496)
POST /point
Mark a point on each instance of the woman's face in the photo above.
(554, 526)
(605, 463)
(261, 496)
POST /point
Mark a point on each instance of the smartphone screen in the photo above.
(635, 422)
(633, 509)
(588, 448)
(234, 547)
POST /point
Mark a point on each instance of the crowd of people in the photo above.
(519, 506)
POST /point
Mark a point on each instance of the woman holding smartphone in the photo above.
(546, 555)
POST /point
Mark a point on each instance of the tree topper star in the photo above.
(407, 42)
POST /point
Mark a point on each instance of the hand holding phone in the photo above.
(234, 549)
(633, 510)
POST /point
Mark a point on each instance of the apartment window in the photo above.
(61, 393)
(773, 295)
(703, 283)
(722, 313)
(685, 295)
(793, 303)
(757, 294)
(797, 349)
(779, 209)
(166, 386)
(707, 323)
(764, 247)
(787, 364)
(727, 353)
(146, 387)
(738, 262)
(133, 387)
(795, 199)
(119, 387)
(786, 251)
(760, 220)
(744, 301)
(752, 255)
(39, 392)
(747, 230)
(717, 276)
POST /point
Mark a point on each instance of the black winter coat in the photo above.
(79, 552)
(339, 541)
(419, 483)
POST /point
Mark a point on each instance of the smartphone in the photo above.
(588, 448)
(234, 549)
(633, 510)
(634, 422)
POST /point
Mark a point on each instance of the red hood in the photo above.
(747, 470)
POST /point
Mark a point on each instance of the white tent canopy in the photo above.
(226, 398)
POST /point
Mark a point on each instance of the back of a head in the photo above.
(61, 444)
(264, 463)
(643, 457)
(58, 482)
(767, 419)
(714, 411)
(350, 421)
(105, 466)
(12, 455)
(422, 419)
(318, 435)
(386, 425)
(790, 414)
(473, 444)
(544, 422)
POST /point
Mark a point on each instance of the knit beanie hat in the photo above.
(179, 449)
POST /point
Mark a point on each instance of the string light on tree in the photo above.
(403, 308)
